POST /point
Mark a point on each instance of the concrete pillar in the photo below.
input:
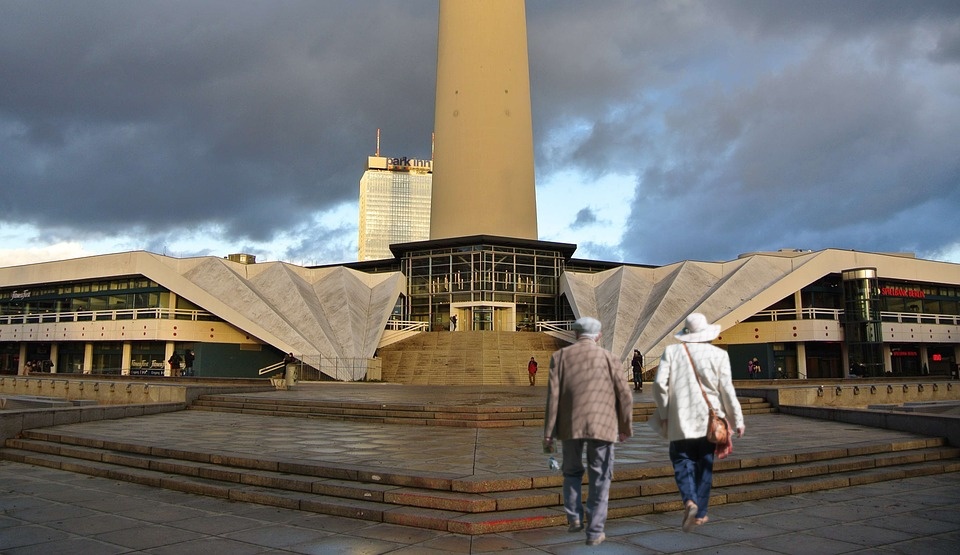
(54, 352)
(88, 358)
(125, 357)
(801, 360)
(22, 361)
(483, 178)
(167, 353)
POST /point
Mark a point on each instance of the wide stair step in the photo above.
(471, 505)
(417, 414)
(467, 357)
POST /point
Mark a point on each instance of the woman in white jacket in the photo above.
(683, 411)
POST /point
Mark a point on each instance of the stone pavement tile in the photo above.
(328, 523)
(29, 535)
(944, 544)
(18, 501)
(947, 513)
(147, 536)
(50, 512)
(98, 524)
(218, 524)
(345, 545)
(490, 543)
(802, 543)
(672, 541)
(70, 546)
(396, 533)
(210, 546)
(736, 530)
(861, 533)
(913, 524)
(540, 536)
(793, 520)
(450, 543)
(276, 535)
(610, 546)
(631, 525)
(730, 549)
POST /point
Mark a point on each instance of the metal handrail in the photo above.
(555, 325)
(406, 325)
(272, 368)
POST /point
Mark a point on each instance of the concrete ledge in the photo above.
(945, 426)
(13, 423)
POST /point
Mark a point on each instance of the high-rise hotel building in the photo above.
(395, 198)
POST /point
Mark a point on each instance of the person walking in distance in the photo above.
(589, 408)
(683, 409)
(532, 370)
(637, 364)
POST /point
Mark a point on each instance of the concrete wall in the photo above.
(854, 394)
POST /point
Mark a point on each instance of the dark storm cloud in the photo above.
(747, 125)
(760, 125)
(160, 115)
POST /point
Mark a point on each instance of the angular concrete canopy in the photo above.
(642, 308)
(333, 312)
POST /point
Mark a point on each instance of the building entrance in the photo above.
(485, 317)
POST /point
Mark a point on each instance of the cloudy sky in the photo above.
(664, 131)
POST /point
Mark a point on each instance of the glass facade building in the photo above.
(394, 204)
(488, 283)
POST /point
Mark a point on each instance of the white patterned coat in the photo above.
(677, 394)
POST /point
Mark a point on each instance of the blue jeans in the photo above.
(600, 472)
(693, 469)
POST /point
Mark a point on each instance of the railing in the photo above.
(107, 315)
(272, 368)
(837, 315)
(310, 368)
(555, 325)
(792, 314)
(919, 318)
(406, 325)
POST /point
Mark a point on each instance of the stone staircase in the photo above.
(467, 358)
(475, 504)
(439, 414)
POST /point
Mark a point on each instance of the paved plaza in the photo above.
(53, 511)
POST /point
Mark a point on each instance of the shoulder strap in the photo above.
(697, 374)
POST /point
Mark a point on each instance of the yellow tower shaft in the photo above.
(483, 175)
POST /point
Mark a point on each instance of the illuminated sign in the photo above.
(14, 295)
(902, 292)
(405, 163)
(937, 357)
(903, 353)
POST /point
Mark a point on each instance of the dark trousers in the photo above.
(693, 470)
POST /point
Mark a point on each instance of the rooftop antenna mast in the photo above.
(378, 142)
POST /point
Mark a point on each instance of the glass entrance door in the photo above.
(483, 318)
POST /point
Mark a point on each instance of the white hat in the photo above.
(587, 327)
(697, 330)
